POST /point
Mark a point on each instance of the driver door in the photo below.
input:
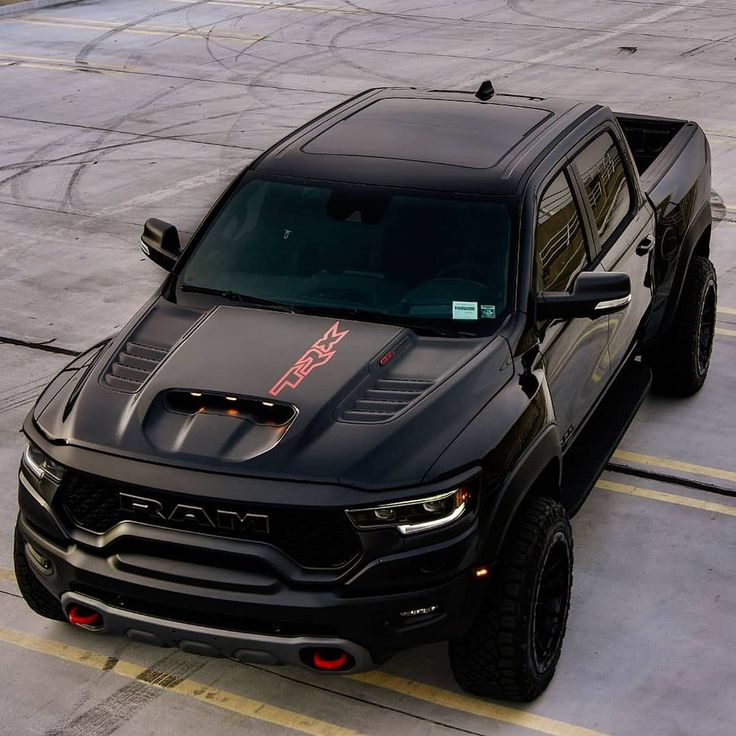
(575, 351)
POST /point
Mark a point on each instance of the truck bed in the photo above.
(673, 160)
(664, 149)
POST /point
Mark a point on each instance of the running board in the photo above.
(587, 457)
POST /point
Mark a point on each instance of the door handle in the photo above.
(645, 246)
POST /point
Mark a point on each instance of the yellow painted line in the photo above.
(663, 462)
(725, 333)
(229, 701)
(142, 30)
(475, 706)
(26, 60)
(57, 67)
(284, 6)
(726, 310)
(693, 503)
(7, 576)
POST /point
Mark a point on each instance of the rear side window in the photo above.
(560, 244)
(603, 174)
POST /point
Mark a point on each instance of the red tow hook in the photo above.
(82, 616)
(330, 663)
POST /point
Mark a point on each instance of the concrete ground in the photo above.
(115, 110)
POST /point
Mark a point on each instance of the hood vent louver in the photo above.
(133, 365)
(386, 398)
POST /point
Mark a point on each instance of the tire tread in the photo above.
(676, 367)
(492, 658)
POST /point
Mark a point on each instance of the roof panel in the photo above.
(439, 131)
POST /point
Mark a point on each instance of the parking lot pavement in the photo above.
(118, 110)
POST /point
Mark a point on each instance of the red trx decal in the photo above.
(317, 355)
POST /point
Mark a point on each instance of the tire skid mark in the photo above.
(479, 19)
(23, 397)
(90, 46)
(116, 710)
(12, 391)
(338, 53)
(66, 201)
(708, 46)
(153, 135)
(264, 78)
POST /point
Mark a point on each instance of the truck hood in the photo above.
(276, 395)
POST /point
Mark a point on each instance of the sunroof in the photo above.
(451, 132)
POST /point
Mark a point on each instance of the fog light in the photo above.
(414, 612)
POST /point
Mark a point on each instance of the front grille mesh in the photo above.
(313, 538)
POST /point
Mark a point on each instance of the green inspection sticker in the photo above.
(488, 311)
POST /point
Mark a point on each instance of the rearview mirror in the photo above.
(160, 242)
(593, 295)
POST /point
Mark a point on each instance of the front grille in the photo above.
(313, 538)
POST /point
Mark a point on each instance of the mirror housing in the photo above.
(160, 242)
(593, 295)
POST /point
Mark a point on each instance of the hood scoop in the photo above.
(206, 423)
(133, 365)
(256, 411)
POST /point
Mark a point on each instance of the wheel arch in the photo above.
(536, 474)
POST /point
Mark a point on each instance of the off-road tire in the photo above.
(500, 655)
(681, 364)
(34, 594)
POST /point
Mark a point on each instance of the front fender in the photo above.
(519, 427)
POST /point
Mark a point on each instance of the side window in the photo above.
(560, 243)
(601, 169)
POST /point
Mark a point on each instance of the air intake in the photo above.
(386, 398)
(133, 365)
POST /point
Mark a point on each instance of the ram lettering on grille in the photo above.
(152, 510)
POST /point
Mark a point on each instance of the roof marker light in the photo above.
(480, 572)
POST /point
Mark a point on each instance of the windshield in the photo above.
(359, 250)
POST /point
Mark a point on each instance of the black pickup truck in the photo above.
(384, 372)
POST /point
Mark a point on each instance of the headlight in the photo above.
(40, 464)
(419, 515)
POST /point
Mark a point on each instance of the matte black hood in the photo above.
(269, 394)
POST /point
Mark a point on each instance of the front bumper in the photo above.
(210, 641)
(242, 616)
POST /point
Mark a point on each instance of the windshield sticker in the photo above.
(465, 310)
(316, 356)
(488, 311)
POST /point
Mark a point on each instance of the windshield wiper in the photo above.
(234, 296)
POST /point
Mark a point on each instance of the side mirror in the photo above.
(160, 242)
(593, 295)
